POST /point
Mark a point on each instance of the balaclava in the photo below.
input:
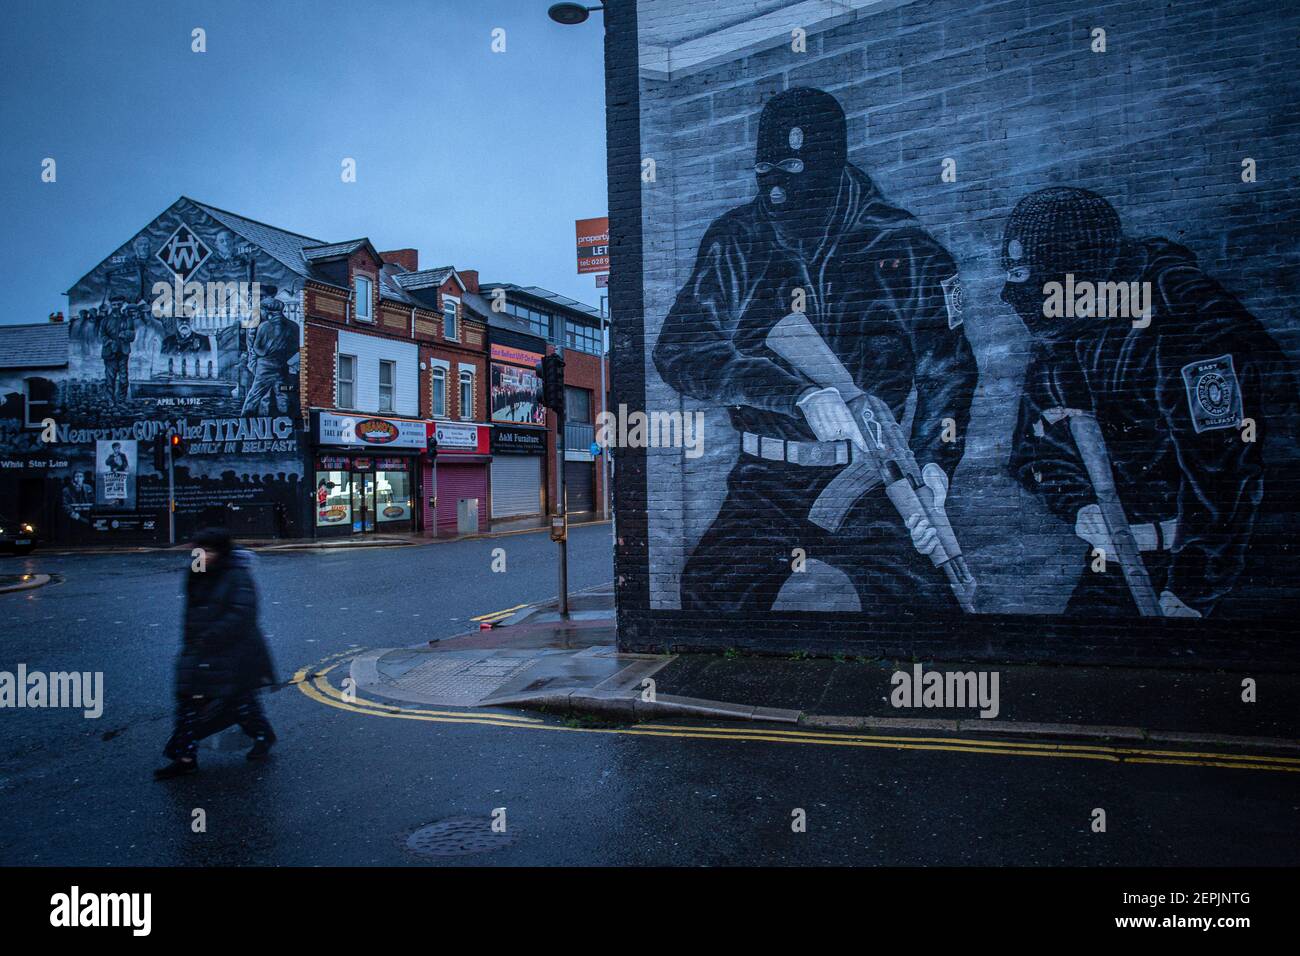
(802, 149)
(1050, 233)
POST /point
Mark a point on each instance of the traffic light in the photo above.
(431, 444)
(551, 370)
(178, 445)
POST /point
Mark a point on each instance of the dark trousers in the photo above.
(747, 554)
(196, 719)
(1106, 593)
(116, 373)
(265, 391)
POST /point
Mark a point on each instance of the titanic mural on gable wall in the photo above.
(186, 327)
(824, 330)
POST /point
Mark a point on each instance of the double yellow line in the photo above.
(499, 615)
(313, 682)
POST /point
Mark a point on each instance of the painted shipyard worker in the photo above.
(818, 239)
(274, 344)
(1171, 391)
(117, 332)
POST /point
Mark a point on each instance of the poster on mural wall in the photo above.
(115, 463)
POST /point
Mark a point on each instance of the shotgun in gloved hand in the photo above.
(883, 455)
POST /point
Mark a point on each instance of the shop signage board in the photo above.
(526, 440)
(331, 428)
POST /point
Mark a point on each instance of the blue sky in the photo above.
(478, 159)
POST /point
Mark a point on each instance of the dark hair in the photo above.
(215, 539)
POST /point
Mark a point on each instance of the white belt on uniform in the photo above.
(808, 453)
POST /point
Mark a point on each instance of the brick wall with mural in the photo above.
(987, 312)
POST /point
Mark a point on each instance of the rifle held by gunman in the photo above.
(885, 458)
(1091, 444)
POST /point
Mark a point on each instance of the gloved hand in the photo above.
(1170, 606)
(924, 536)
(1091, 527)
(829, 417)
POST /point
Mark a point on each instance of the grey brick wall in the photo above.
(1158, 124)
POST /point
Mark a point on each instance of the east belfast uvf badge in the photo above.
(953, 299)
(1213, 395)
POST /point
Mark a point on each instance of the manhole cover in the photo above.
(456, 836)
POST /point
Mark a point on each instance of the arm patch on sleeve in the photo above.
(1213, 394)
(953, 299)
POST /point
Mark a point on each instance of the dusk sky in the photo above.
(480, 160)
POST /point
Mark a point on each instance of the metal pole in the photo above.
(604, 458)
(562, 512)
(171, 495)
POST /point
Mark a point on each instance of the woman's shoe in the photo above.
(177, 768)
(261, 747)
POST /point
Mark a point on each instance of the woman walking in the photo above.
(224, 660)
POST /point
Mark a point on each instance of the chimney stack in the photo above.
(408, 259)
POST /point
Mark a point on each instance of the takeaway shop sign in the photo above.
(359, 430)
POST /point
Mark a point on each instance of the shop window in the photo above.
(333, 499)
(362, 310)
(467, 396)
(393, 495)
(439, 393)
(346, 382)
(387, 376)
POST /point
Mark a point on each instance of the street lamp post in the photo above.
(570, 14)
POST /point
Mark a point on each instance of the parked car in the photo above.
(16, 537)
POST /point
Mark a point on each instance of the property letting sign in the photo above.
(593, 245)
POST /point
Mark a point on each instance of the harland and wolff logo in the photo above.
(184, 252)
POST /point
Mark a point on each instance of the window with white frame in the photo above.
(346, 382)
(449, 319)
(40, 401)
(362, 310)
(387, 378)
(439, 393)
(467, 395)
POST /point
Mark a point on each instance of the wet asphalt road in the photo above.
(346, 788)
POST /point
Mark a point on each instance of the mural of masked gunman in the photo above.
(1169, 390)
(884, 296)
(275, 343)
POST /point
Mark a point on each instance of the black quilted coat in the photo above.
(223, 653)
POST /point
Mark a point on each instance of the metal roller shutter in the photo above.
(516, 485)
(456, 482)
(579, 486)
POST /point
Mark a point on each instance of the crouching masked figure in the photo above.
(1171, 387)
(885, 298)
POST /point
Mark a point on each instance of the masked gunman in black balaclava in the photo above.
(1172, 390)
(886, 299)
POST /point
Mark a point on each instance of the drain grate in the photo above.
(456, 836)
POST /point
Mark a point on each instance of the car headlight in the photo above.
(28, 529)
